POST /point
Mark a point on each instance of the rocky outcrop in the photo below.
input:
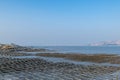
(10, 47)
(15, 48)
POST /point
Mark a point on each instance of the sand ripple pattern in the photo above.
(38, 69)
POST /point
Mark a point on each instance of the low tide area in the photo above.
(24, 63)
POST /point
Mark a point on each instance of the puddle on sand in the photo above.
(36, 52)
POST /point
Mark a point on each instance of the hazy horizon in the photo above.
(59, 22)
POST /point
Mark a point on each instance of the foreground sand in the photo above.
(38, 69)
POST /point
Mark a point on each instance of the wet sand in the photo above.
(44, 66)
(97, 58)
(51, 71)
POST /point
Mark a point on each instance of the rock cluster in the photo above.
(15, 48)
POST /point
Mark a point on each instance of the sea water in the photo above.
(84, 49)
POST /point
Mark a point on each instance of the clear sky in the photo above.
(59, 22)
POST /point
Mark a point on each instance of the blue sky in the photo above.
(59, 22)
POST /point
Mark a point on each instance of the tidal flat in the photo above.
(16, 63)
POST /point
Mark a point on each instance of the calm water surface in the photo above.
(85, 49)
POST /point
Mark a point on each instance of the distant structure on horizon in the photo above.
(106, 43)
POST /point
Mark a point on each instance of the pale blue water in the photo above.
(85, 49)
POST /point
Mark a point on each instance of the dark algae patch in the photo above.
(98, 58)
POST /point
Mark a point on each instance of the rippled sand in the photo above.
(54, 75)
(20, 66)
(38, 69)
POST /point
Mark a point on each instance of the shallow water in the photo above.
(33, 53)
(84, 49)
